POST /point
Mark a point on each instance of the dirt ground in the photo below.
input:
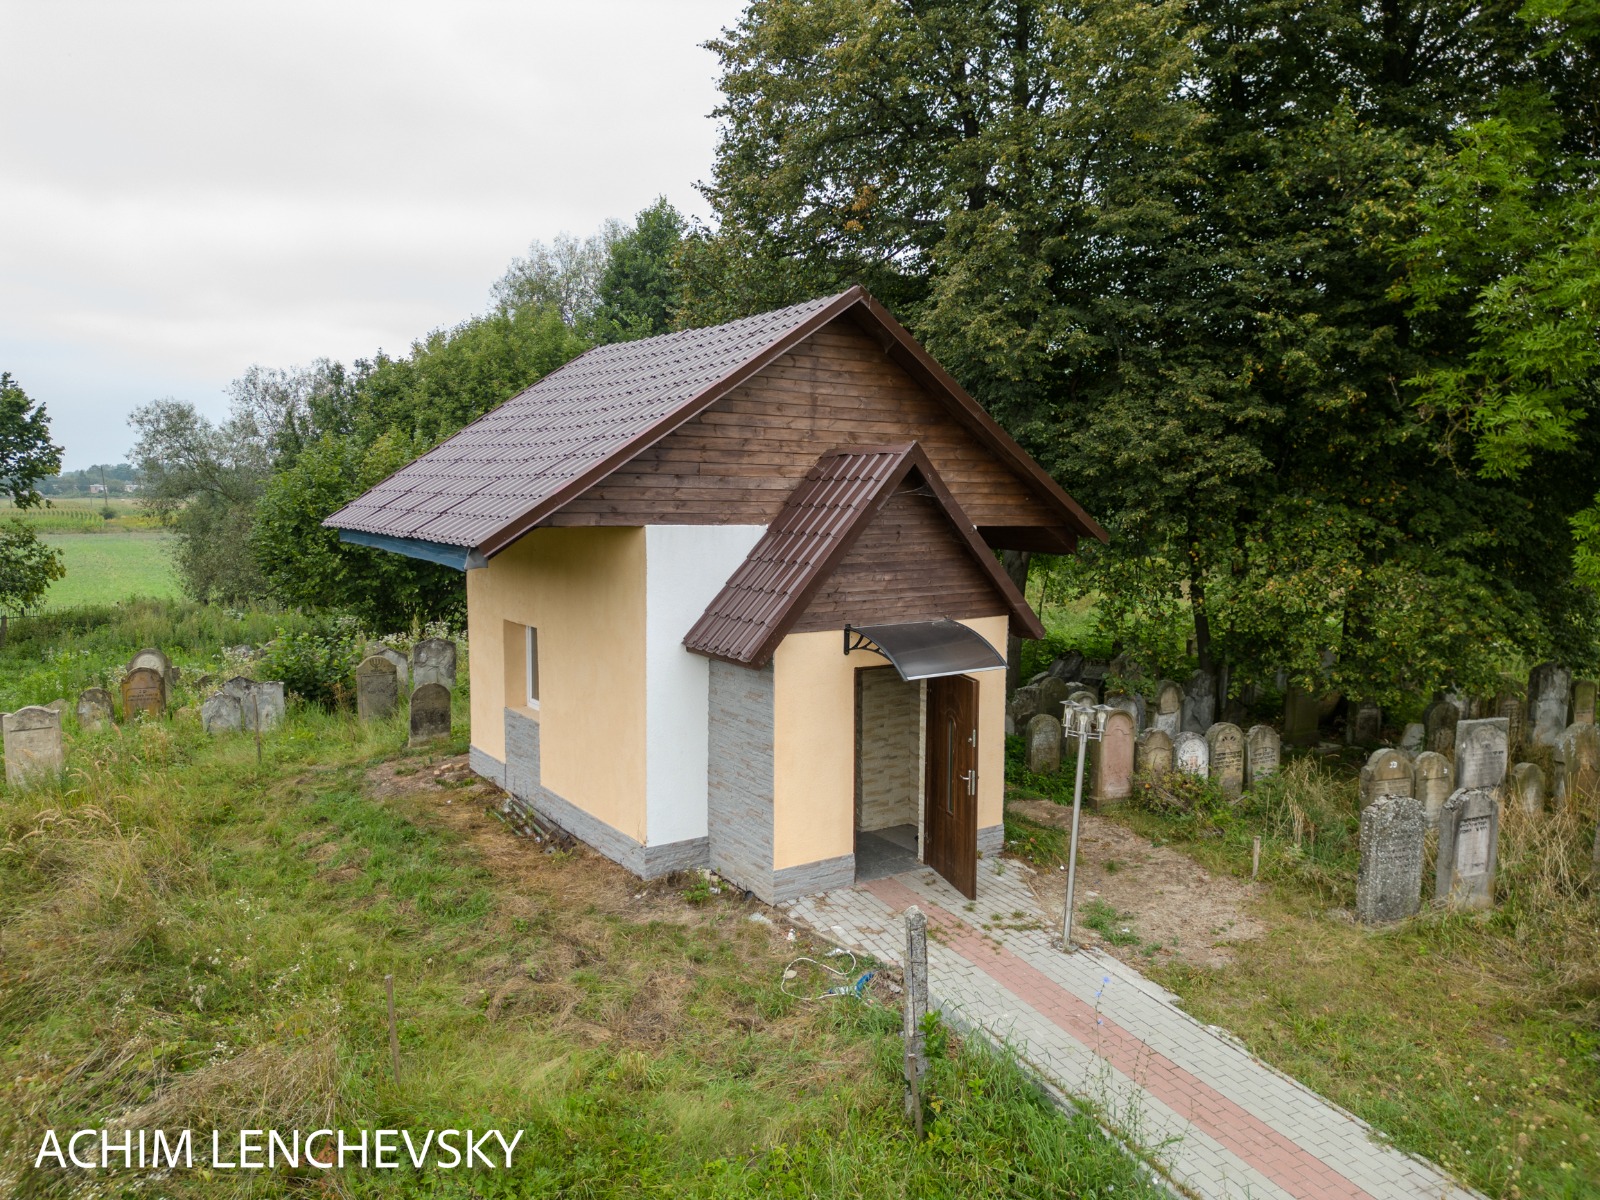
(1166, 905)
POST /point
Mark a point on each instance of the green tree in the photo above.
(27, 455)
(640, 288)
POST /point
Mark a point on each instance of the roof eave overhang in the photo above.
(461, 558)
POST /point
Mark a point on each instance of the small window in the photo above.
(532, 672)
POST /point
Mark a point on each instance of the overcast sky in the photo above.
(190, 188)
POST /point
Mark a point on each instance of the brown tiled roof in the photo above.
(470, 487)
(806, 541)
(510, 469)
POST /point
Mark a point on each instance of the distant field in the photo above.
(112, 565)
(81, 516)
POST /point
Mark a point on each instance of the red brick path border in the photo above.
(1246, 1135)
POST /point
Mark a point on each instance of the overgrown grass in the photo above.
(112, 566)
(1472, 1039)
(190, 939)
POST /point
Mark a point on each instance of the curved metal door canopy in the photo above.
(926, 649)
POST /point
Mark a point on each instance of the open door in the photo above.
(950, 815)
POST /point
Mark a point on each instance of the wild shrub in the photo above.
(316, 663)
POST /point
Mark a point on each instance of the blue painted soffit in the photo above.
(462, 558)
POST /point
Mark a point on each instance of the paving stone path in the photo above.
(1220, 1121)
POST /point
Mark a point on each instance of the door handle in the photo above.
(971, 779)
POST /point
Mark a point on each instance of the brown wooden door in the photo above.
(951, 805)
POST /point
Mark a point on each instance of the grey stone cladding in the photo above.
(486, 765)
(739, 791)
(992, 840)
(808, 879)
(522, 755)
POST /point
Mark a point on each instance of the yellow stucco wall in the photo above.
(584, 591)
(814, 743)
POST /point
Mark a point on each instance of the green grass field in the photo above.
(112, 565)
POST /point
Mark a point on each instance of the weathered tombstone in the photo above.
(1169, 708)
(1439, 719)
(1389, 877)
(402, 664)
(56, 706)
(1225, 754)
(1082, 696)
(430, 713)
(94, 708)
(1133, 705)
(1044, 744)
(1469, 838)
(1299, 717)
(1583, 702)
(1432, 773)
(1052, 695)
(1481, 752)
(1066, 667)
(258, 698)
(1527, 785)
(1152, 753)
(378, 688)
(1414, 738)
(1365, 727)
(1549, 689)
(32, 745)
(1190, 754)
(1579, 754)
(1508, 704)
(1023, 705)
(1113, 759)
(222, 713)
(1387, 773)
(1263, 752)
(144, 693)
(1200, 702)
(152, 658)
(433, 660)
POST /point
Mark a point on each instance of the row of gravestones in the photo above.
(1228, 756)
(431, 674)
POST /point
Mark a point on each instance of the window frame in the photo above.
(530, 666)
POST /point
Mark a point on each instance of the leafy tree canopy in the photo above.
(27, 565)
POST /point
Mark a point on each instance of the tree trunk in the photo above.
(1015, 563)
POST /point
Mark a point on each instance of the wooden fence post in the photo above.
(914, 1010)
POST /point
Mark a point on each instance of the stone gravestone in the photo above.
(1043, 734)
(144, 693)
(257, 697)
(1469, 842)
(1200, 702)
(1549, 689)
(1579, 753)
(1152, 753)
(32, 745)
(1052, 695)
(1366, 726)
(94, 708)
(1113, 760)
(378, 688)
(1527, 785)
(1481, 752)
(1299, 717)
(1263, 753)
(402, 664)
(1168, 716)
(1583, 702)
(1414, 738)
(1387, 773)
(1225, 751)
(1439, 719)
(1432, 773)
(1133, 705)
(1190, 754)
(1023, 705)
(1389, 877)
(57, 706)
(1509, 706)
(430, 713)
(222, 713)
(155, 659)
(433, 660)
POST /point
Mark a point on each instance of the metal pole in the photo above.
(1072, 852)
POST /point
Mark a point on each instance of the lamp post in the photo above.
(1088, 723)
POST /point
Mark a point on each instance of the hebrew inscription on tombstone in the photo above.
(1549, 690)
(430, 713)
(1389, 877)
(32, 745)
(377, 688)
(144, 693)
(1263, 753)
(1152, 753)
(1190, 754)
(1482, 752)
(1469, 838)
(1387, 773)
(1225, 749)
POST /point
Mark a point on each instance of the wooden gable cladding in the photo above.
(908, 564)
(737, 462)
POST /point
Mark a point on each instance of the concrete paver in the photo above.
(1221, 1122)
